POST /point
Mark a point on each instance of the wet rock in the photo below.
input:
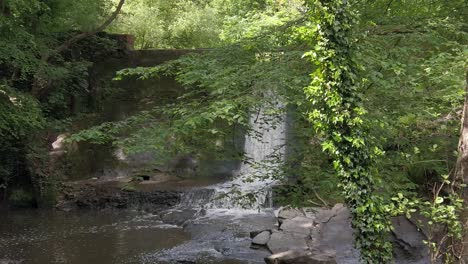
(101, 197)
(300, 257)
(9, 261)
(299, 225)
(262, 238)
(289, 213)
(280, 242)
(205, 230)
(178, 217)
(64, 207)
(186, 262)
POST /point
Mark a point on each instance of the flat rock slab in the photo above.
(280, 242)
(299, 257)
(299, 225)
(289, 213)
(262, 238)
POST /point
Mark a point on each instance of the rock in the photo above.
(409, 241)
(222, 249)
(407, 232)
(289, 213)
(299, 225)
(98, 196)
(324, 215)
(262, 238)
(178, 217)
(280, 242)
(64, 207)
(255, 233)
(336, 234)
(300, 257)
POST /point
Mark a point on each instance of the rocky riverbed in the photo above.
(320, 235)
(172, 232)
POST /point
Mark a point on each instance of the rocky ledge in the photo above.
(325, 236)
(101, 196)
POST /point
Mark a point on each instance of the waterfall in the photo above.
(264, 149)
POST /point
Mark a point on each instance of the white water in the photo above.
(264, 149)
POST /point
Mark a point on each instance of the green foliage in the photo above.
(206, 24)
(128, 187)
(414, 77)
(19, 114)
(441, 218)
(337, 115)
(170, 24)
(28, 31)
(221, 89)
(21, 198)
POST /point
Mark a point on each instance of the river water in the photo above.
(110, 236)
(39, 236)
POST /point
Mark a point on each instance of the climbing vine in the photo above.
(337, 115)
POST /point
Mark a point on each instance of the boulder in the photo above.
(299, 225)
(324, 215)
(336, 235)
(407, 232)
(262, 238)
(300, 257)
(408, 241)
(280, 242)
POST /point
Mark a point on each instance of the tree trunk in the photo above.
(461, 177)
(4, 9)
(41, 84)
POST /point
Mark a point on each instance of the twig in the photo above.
(388, 7)
(320, 198)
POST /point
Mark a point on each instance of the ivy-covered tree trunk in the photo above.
(337, 115)
(461, 177)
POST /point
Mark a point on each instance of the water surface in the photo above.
(38, 236)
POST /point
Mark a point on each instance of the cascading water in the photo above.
(251, 188)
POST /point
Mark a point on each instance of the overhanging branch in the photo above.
(40, 84)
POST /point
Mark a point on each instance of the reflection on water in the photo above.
(37, 236)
